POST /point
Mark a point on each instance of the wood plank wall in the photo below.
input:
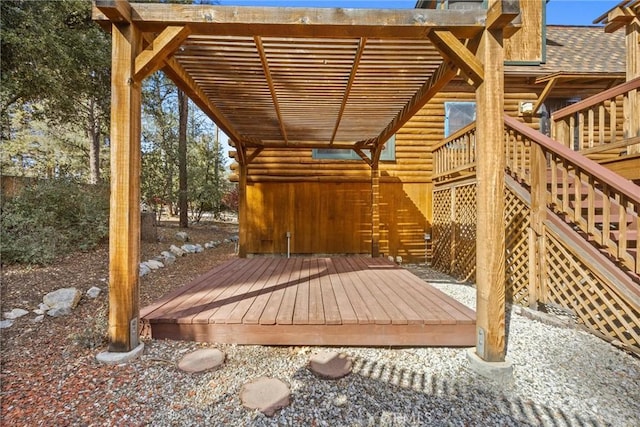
(326, 204)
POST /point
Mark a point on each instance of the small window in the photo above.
(388, 153)
(457, 115)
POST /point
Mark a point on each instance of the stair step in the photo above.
(632, 236)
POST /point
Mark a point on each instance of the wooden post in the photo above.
(124, 219)
(375, 211)
(490, 243)
(632, 114)
(538, 216)
(242, 203)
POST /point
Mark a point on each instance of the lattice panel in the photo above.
(464, 251)
(572, 285)
(517, 220)
(442, 230)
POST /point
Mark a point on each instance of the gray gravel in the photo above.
(562, 377)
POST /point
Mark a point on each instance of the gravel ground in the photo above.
(562, 377)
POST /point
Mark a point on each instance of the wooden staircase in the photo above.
(584, 222)
(571, 230)
(599, 219)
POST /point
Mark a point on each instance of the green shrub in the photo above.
(50, 218)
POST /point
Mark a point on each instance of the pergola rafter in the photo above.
(286, 78)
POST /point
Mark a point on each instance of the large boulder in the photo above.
(64, 299)
(176, 251)
(93, 292)
(182, 236)
(144, 270)
(168, 258)
(15, 313)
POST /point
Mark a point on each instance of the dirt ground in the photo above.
(49, 367)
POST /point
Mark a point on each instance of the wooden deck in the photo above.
(311, 301)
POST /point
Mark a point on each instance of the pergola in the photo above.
(303, 77)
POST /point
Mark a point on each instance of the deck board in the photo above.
(311, 301)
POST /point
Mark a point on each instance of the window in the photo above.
(457, 115)
(388, 153)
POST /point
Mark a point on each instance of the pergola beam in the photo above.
(114, 11)
(300, 22)
(183, 80)
(440, 78)
(272, 88)
(347, 90)
(502, 13)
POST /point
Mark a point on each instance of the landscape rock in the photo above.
(6, 323)
(38, 319)
(399, 259)
(191, 249)
(265, 394)
(168, 258)
(201, 360)
(153, 264)
(176, 251)
(39, 312)
(63, 298)
(44, 307)
(199, 248)
(59, 311)
(182, 236)
(330, 364)
(15, 313)
(209, 245)
(144, 270)
(93, 292)
(234, 239)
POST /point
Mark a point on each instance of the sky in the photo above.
(567, 12)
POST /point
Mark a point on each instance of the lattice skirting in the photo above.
(571, 284)
(442, 230)
(454, 233)
(567, 282)
(517, 221)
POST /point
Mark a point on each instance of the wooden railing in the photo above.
(596, 124)
(602, 204)
(456, 154)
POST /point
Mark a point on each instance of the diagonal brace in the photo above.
(453, 49)
(152, 59)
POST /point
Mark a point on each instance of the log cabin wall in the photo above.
(326, 204)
